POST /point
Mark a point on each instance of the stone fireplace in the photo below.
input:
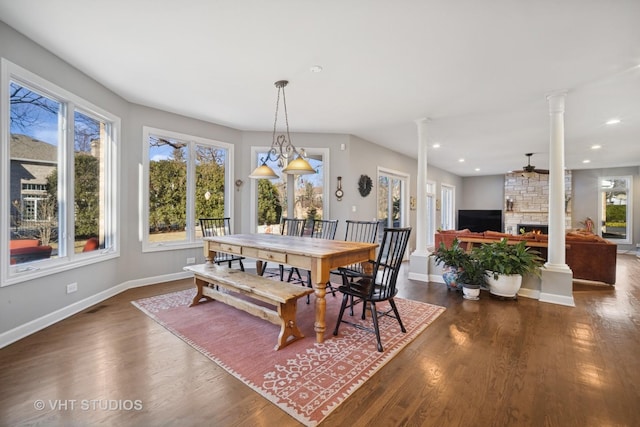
(527, 201)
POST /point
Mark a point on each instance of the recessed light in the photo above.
(461, 160)
(613, 121)
(596, 147)
(436, 145)
(477, 169)
(316, 69)
(586, 161)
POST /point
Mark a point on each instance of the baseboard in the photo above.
(557, 299)
(40, 323)
(418, 276)
(529, 293)
(436, 278)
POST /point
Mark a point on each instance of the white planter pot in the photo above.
(471, 293)
(507, 285)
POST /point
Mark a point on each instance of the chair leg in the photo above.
(281, 268)
(264, 268)
(374, 315)
(345, 298)
(241, 265)
(395, 310)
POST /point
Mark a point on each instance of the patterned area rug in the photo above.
(305, 379)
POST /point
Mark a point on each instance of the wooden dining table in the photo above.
(319, 256)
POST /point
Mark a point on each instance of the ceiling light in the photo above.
(526, 174)
(477, 169)
(461, 160)
(282, 149)
(316, 69)
(586, 161)
(596, 147)
(613, 122)
(436, 145)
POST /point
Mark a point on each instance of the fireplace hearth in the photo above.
(533, 228)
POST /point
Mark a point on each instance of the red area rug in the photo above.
(305, 379)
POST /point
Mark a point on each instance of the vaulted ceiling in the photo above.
(480, 70)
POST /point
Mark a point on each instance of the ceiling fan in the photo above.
(529, 170)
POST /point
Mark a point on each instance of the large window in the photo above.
(392, 198)
(290, 196)
(615, 214)
(448, 206)
(185, 178)
(58, 180)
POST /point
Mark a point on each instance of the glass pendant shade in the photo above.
(299, 166)
(263, 172)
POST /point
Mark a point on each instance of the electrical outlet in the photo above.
(191, 260)
(72, 287)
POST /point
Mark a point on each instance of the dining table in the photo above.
(318, 256)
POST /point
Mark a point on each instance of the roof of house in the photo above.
(24, 147)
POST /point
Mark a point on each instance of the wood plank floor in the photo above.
(482, 363)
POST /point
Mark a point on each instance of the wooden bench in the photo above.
(283, 295)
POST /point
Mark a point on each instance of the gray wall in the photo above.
(31, 300)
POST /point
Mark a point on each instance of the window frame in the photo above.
(629, 208)
(13, 274)
(448, 206)
(191, 240)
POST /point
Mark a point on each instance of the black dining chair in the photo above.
(357, 231)
(320, 229)
(220, 227)
(288, 227)
(378, 286)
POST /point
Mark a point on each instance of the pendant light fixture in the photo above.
(282, 149)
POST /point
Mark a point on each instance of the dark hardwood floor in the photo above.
(482, 363)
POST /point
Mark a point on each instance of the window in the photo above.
(615, 213)
(58, 180)
(185, 178)
(308, 193)
(392, 200)
(448, 208)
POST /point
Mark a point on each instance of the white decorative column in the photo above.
(419, 260)
(557, 277)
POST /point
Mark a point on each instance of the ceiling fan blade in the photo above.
(542, 171)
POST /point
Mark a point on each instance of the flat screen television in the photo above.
(480, 220)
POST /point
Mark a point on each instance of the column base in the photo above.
(556, 286)
(419, 266)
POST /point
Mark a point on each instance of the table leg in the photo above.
(199, 295)
(209, 256)
(320, 289)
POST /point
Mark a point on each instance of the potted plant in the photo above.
(472, 277)
(453, 259)
(506, 264)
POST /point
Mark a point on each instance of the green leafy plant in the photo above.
(455, 256)
(473, 273)
(500, 257)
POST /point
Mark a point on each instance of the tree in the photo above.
(269, 206)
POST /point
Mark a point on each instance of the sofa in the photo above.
(26, 250)
(590, 257)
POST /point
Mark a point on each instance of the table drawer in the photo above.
(272, 256)
(226, 248)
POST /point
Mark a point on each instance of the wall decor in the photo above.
(339, 192)
(364, 185)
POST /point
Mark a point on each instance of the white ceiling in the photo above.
(480, 70)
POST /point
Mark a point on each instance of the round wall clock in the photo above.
(364, 185)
